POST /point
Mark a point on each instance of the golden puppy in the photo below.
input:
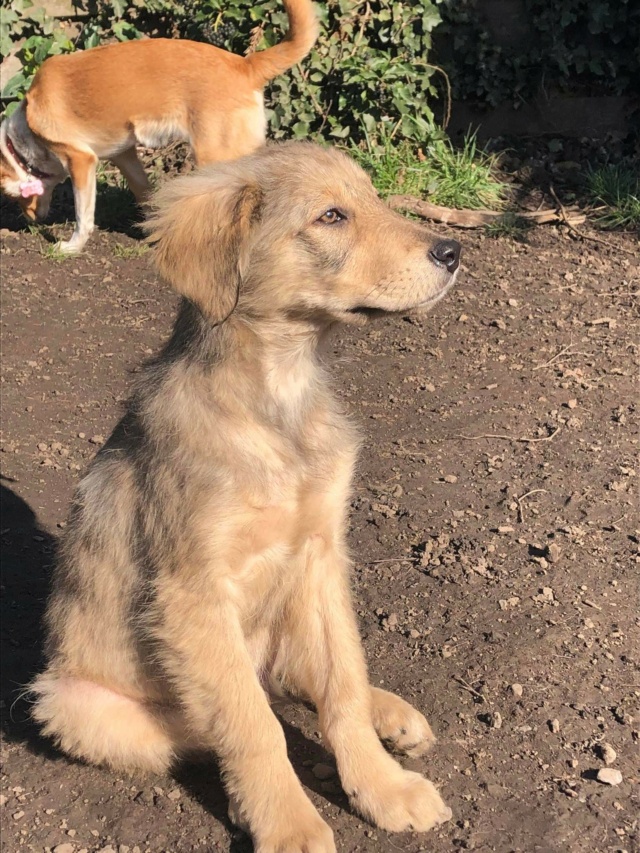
(98, 104)
(206, 553)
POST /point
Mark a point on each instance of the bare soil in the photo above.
(494, 534)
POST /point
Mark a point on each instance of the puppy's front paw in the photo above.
(308, 834)
(399, 725)
(401, 802)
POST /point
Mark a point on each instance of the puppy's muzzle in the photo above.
(446, 254)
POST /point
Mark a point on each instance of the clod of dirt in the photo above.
(96, 439)
(323, 771)
(609, 776)
(516, 689)
(554, 726)
(607, 753)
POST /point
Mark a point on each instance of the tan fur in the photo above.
(98, 104)
(206, 553)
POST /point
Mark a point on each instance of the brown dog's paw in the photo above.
(402, 803)
(399, 725)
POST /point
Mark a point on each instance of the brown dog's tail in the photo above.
(302, 35)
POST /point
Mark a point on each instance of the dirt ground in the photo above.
(494, 534)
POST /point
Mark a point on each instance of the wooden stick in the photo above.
(508, 437)
(474, 218)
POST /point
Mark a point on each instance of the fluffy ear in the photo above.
(200, 227)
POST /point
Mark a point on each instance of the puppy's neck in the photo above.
(273, 365)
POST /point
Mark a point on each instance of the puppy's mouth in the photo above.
(370, 313)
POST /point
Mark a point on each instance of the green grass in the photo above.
(52, 253)
(128, 252)
(615, 192)
(449, 176)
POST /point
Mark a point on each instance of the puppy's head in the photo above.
(297, 230)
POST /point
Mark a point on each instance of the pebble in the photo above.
(607, 753)
(495, 720)
(64, 848)
(609, 776)
(3, 799)
(323, 771)
(96, 439)
(175, 794)
(450, 478)
(552, 552)
(516, 689)
(554, 725)
(392, 620)
(17, 815)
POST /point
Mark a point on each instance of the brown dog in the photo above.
(206, 556)
(98, 104)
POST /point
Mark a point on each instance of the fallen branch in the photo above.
(571, 225)
(477, 218)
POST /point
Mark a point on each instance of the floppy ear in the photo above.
(200, 227)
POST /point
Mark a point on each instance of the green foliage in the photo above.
(615, 191)
(578, 46)
(452, 177)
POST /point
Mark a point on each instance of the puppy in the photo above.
(98, 104)
(206, 553)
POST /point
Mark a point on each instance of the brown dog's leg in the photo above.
(82, 169)
(133, 170)
(226, 707)
(326, 661)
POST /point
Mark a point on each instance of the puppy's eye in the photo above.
(331, 217)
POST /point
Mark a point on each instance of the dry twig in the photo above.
(469, 688)
(521, 498)
(509, 437)
(571, 225)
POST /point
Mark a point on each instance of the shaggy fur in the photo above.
(98, 104)
(206, 554)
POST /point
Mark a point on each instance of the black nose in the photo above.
(447, 252)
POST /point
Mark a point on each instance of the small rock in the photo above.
(507, 603)
(42, 446)
(572, 404)
(607, 753)
(554, 725)
(504, 529)
(96, 439)
(175, 794)
(3, 799)
(552, 552)
(499, 324)
(495, 720)
(392, 620)
(450, 478)
(516, 689)
(17, 815)
(82, 435)
(609, 776)
(323, 771)
(64, 848)
(414, 634)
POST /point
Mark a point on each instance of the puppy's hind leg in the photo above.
(100, 725)
(82, 169)
(133, 170)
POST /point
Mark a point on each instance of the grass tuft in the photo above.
(449, 176)
(128, 252)
(615, 190)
